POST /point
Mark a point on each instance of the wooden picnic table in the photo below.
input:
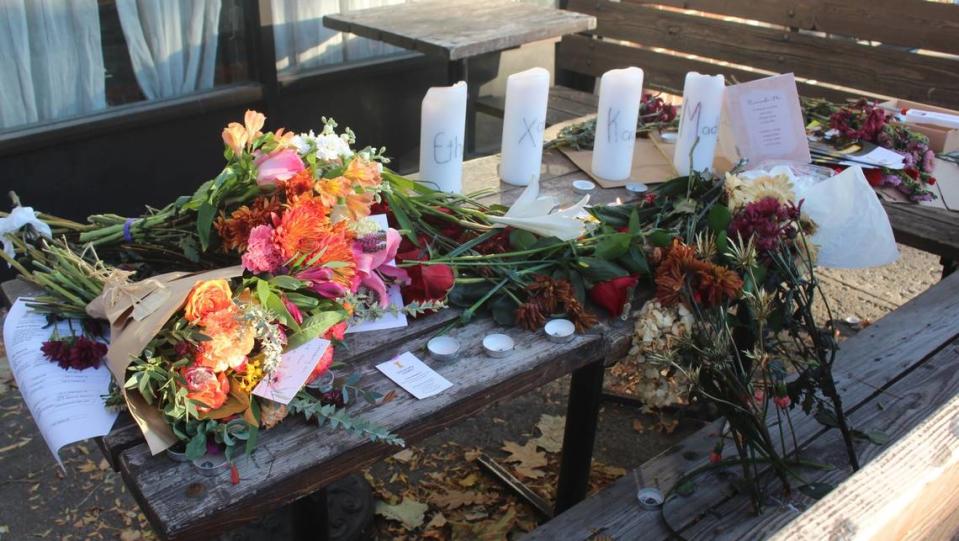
(460, 30)
(296, 459)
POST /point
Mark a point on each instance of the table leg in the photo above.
(582, 413)
(948, 266)
(311, 519)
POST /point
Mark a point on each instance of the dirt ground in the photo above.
(435, 490)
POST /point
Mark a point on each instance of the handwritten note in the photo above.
(413, 375)
(767, 120)
(290, 376)
(67, 405)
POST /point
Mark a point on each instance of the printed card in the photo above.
(290, 376)
(413, 375)
(767, 120)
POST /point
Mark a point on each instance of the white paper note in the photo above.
(388, 320)
(290, 376)
(877, 157)
(413, 375)
(67, 405)
(767, 120)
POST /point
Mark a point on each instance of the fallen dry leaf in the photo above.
(454, 499)
(409, 512)
(12, 446)
(468, 481)
(404, 456)
(526, 458)
(638, 426)
(438, 521)
(552, 428)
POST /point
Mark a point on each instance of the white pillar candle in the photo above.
(442, 131)
(524, 121)
(620, 93)
(702, 106)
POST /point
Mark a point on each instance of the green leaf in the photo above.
(204, 221)
(263, 291)
(613, 247)
(686, 488)
(313, 327)
(504, 310)
(685, 206)
(660, 238)
(579, 287)
(521, 240)
(635, 261)
(196, 447)
(276, 305)
(719, 218)
(600, 270)
(634, 225)
(288, 283)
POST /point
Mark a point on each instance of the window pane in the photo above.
(302, 42)
(67, 58)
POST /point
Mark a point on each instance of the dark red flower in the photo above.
(931, 181)
(715, 458)
(79, 353)
(428, 283)
(613, 294)
(874, 177)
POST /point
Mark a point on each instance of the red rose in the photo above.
(931, 181)
(428, 283)
(874, 176)
(612, 294)
(912, 172)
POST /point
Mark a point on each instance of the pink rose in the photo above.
(278, 165)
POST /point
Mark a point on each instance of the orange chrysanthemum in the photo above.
(363, 173)
(717, 284)
(709, 283)
(302, 227)
(336, 245)
(235, 230)
(299, 184)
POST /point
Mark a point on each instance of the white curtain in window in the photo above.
(51, 60)
(302, 42)
(172, 44)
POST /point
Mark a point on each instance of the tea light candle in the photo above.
(583, 186)
(177, 453)
(443, 348)
(620, 92)
(211, 465)
(560, 330)
(636, 187)
(650, 498)
(702, 106)
(442, 131)
(498, 345)
(524, 120)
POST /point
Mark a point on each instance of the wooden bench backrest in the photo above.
(867, 47)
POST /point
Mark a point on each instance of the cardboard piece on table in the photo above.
(650, 165)
(721, 163)
(946, 187)
(129, 334)
(941, 139)
(767, 121)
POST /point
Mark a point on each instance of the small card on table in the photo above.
(767, 121)
(414, 376)
(291, 374)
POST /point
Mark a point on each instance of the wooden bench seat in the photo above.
(892, 376)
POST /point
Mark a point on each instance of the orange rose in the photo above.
(231, 340)
(205, 387)
(207, 297)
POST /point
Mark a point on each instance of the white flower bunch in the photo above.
(657, 331)
(327, 145)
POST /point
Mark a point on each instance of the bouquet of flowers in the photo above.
(843, 125)
(654, 114)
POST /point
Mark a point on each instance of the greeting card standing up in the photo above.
(767, 121)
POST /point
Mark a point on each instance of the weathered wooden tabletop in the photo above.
(458, 29)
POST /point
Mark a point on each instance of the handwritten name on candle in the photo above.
(531, 129)
(615, 134)
(699, 123)
(446, 148)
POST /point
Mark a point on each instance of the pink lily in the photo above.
(321, 281)
(278, 165)
(374, 255)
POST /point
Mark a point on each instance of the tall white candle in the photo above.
(524, 121)
(620, 93)
(442, 131)
(702, 106)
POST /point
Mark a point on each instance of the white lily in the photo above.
(14, 221)
(532, 213)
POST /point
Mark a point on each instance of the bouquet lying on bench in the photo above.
(275, 255)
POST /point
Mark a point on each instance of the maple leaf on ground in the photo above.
(409, 512)
(552, 428)
(526, 457)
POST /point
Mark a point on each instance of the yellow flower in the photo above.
(741, 192)
(253, 121)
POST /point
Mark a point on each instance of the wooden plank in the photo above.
(909, 403)
(910, 492)
(929, 229)
(908, 23)
(582, 54)
(881, 69)
(868, 363)
(295, 459)
(458, 29)
(562, 101)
